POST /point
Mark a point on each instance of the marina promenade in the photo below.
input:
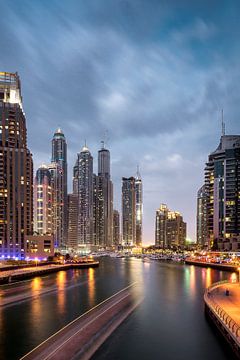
(9, 276)
(222, 302)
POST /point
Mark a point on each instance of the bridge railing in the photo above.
(226, 319)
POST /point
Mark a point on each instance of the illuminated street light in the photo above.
(239, 275)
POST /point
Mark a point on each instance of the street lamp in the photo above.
(238, 275)
(36, 259)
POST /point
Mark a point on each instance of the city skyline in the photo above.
(156, 86)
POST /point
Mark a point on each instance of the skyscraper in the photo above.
(139, 208)
(222, 185)
(202, 217)
(116, 227)
(59, 156)
(105, 199)
(170, 229)
(72, 239)
(56, 174)
(83, 185)
(42, 201)
(161, 226)
(128, 211)
(16, 170)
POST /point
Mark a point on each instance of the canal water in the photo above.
(168, 325)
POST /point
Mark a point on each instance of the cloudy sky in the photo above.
(151, 74)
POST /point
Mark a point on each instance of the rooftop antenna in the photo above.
(85, 143)
(223, 125)
(105, 138)
(103, 144)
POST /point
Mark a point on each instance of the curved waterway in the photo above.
(168, 325)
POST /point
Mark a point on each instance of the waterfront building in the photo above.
(170, 229)
(222, 184)
(128, 211)
(42, 204)
(104, 200)
(83, 186)
(139, 208)
(39, 247)
(72, 238)
(16, 170)
(59, 156)
(161, 226)
(96, 210)
(116, 228)
(202, 217)
(56, 174)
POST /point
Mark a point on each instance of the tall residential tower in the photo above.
(42, 201)
(59, 160)
(222, 185)
(83, 187)
(202, 217)
(16, 170)
(139, 208)
(128, 211)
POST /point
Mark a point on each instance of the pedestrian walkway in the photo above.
(229, 303)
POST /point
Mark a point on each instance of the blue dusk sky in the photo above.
(153, 75)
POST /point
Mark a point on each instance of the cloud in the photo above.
(199, 30)
(142, 72)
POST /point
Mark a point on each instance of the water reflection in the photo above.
(36, 285)
(61, 294)
(91, 286)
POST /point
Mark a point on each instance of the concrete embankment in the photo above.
(82, 337)
(26, 273)
(212, 265)
(222, 301)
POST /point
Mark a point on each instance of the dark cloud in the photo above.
(154, 74)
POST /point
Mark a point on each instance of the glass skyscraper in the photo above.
(222, 185)
(59, 157)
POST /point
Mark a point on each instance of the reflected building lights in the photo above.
(61, 294)
(91, 286)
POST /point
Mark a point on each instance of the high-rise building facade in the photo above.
(128, 211)
(16, 170)
(104, 200)
(72, 239)
(83, 185)
(161, 226)
(139, 208)
(42, 204)
(56, 174)
(202, 217)
(170, 229)
(59, 156)
(222, 184)
(116, 228)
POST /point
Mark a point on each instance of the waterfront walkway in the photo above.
(25, 273)
(231, 303)
(222, 303)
